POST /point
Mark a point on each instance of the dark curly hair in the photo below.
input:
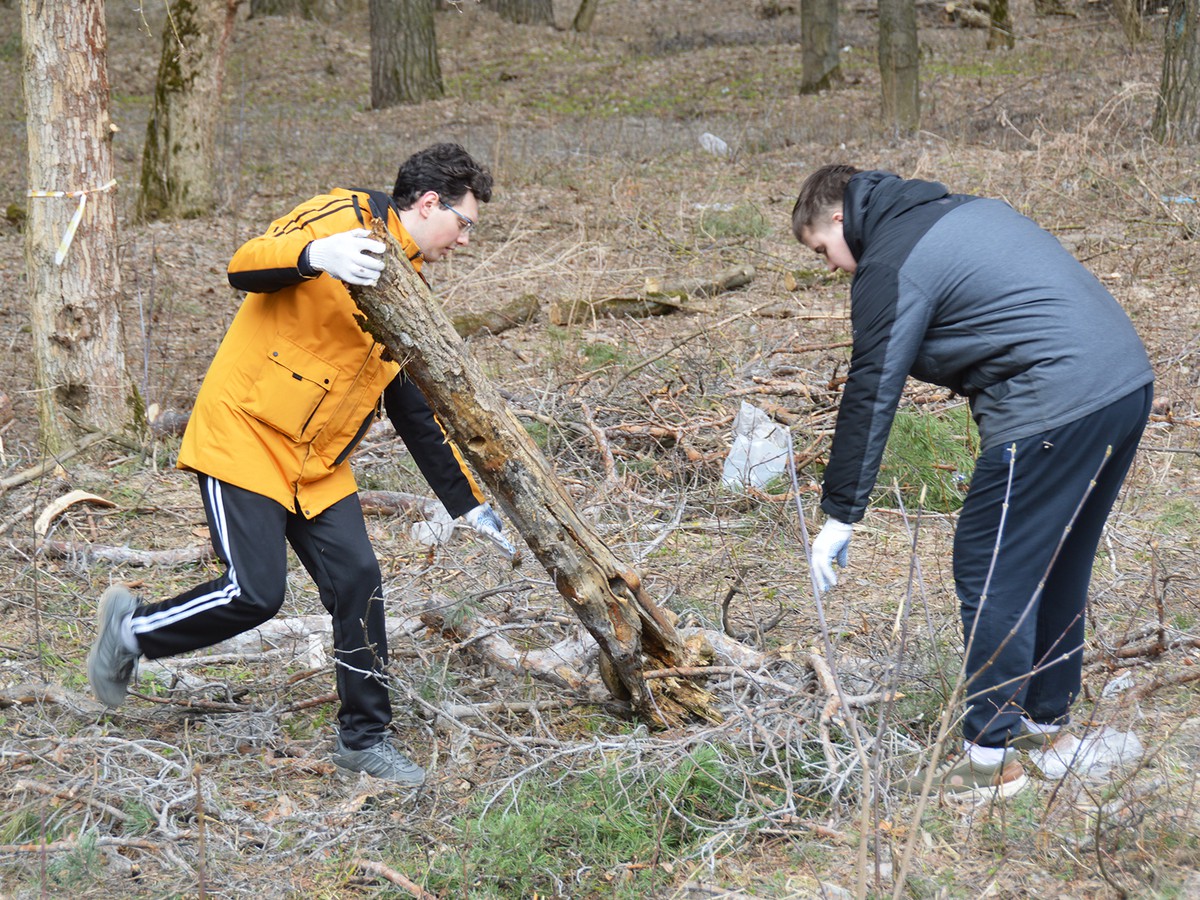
(445, 168)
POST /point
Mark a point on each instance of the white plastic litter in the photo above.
(435, 529)
(714, 144)
(759, 452)
(1118, 685)
(1093, 756)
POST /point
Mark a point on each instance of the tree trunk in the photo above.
(179, 158)
(78, 345)
(606, 594)
(899, 56)
(320, 10)
(404, 58)
(820, 61)
(1177, 115)
(585, 15)
(523, 12)
(1129, 12)
(1000, 26)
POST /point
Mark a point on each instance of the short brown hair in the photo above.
(822, 190)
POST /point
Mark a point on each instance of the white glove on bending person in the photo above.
(487, 524)
(831, 545)
(347, 256)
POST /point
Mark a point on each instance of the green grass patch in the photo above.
(612, 830)
(932, 452)
(742, 220)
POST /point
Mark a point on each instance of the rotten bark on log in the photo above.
(606, 594)
(657, 299)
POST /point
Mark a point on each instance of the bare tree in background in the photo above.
(404, 59)
(78, 345)
(179, 157)
(899, 71)
(1177, 115)
(1000, 27)
(585, 15)
(821, 63)
(322, 10)
(523, 12)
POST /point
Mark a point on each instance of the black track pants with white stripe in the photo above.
(250, 534)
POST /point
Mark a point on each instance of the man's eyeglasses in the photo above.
(465, 223)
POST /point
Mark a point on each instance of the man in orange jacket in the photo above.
(292, 389)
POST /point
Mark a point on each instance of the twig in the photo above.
(388, 874)
(48, 465)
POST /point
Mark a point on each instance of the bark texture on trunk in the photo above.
(605, 593)
(78, 343)
(1177, 116)
(179, 165)
(524, 12)
(820, 60)
(404, 54)
(899, 65)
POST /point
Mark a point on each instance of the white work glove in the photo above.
(832, 544)
(347, 256)
(487, 524)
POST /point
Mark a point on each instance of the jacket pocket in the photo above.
(290, 388)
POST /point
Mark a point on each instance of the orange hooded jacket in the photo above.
(296, 382)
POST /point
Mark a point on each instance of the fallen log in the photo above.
(606, 594)
(658, 298)
(494, 321)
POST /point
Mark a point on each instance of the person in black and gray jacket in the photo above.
(966, 293)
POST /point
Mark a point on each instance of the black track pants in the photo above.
(1022, 573)
(250, 534)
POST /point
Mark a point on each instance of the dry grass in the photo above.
(601, 184)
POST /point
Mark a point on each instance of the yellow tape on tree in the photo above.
(69, 235)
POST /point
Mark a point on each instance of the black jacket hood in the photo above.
(873, 198)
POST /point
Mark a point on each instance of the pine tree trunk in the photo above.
(585, 15)
(899, 57)
(1000, 27)
(179, 157)
(404, 58)
(606, 595)
(78, 346)
(1177, 115)
(820, 61)
(523, 12)
(319, 10)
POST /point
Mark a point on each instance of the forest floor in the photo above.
(214, 779)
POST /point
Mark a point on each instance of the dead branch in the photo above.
(606, 594)
(36, 694)
(494, 321)
(658, 298)
(388, 874)
(555, 665)
(71, 795)
(392, 503)
(48, 465)
(183, 556)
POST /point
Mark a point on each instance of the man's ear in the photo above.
(426, 202)
(838, 216)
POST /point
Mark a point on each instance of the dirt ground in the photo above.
(214, 780)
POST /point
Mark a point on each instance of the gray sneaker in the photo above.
(109, 664)
(962, 779)
(1034, 740)
(381, 760)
